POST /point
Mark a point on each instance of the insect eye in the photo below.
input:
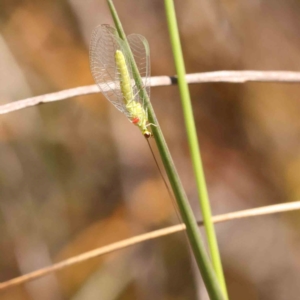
(147, 135)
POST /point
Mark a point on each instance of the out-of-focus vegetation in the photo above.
(76, 174)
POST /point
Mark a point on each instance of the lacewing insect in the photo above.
(111, 69)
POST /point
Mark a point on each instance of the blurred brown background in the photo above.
(76, 174)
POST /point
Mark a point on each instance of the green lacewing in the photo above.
(111, 69)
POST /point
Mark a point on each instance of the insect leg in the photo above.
(149, 124)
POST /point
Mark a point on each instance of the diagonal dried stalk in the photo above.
(271, 209)
(219, 76)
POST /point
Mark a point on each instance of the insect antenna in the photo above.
(165, 182)
(173, 203)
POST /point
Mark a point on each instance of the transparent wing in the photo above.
(103, 46)
(141, 52)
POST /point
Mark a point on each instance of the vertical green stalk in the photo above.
(186, 212)
(193, 144)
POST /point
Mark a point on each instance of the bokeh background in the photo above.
(76, 175)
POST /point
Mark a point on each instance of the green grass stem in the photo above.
(186, 212)
(194, 145)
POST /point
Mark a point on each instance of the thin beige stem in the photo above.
(145, 237)
(219, 76)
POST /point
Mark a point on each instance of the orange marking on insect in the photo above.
(135, 120)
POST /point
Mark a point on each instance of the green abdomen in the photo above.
(125, 83)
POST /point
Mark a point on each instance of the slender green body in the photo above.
(138, 115)
(125, 83)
